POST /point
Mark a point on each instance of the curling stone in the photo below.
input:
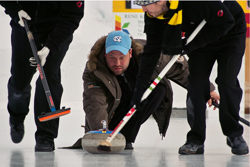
(92, 139)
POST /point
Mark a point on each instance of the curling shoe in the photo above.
(128, 146)
(16, 132)
(44, 146)
(191, 148)
(238, 145)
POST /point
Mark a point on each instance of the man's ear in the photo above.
(130, 53)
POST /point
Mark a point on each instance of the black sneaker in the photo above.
(238, 145)
(16, 132)
(44, 146)
(191, 148)
(129, 146)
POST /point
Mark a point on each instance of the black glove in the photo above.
(136, 99)
(189, 47)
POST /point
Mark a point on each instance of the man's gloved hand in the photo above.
(187, 48)
(22, 14)
(42, 54)
(136, 99)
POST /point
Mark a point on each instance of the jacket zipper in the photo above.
(125, 79)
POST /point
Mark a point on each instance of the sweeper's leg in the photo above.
(47, 131)
(19, 83)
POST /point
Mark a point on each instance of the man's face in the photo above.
(118, 62)
(155, 9)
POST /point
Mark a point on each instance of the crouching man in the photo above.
(109, 81)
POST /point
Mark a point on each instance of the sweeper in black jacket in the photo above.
(222, 39)
(53, 25)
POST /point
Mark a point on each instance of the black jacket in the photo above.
(61, 19)
(221, 19)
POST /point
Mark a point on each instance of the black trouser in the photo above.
(228, 52)
(21, 75)
(131, 129)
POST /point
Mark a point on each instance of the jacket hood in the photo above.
(97, 52)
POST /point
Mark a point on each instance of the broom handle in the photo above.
(246, 122)
(39, 66)
(171, 62)
(152, 86)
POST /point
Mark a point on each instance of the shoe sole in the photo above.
(16, 138)
(43, 150)
(199, 151)
(128, 148)
(237, 151)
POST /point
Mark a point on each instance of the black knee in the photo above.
(18, 100)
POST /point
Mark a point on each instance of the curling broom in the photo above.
(54, 113)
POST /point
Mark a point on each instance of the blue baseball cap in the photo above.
(118, 40)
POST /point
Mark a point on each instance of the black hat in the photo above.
(144, 2)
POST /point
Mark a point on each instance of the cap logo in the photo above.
(117, 38)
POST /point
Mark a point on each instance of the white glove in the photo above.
(42, 54)
(22, 14)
